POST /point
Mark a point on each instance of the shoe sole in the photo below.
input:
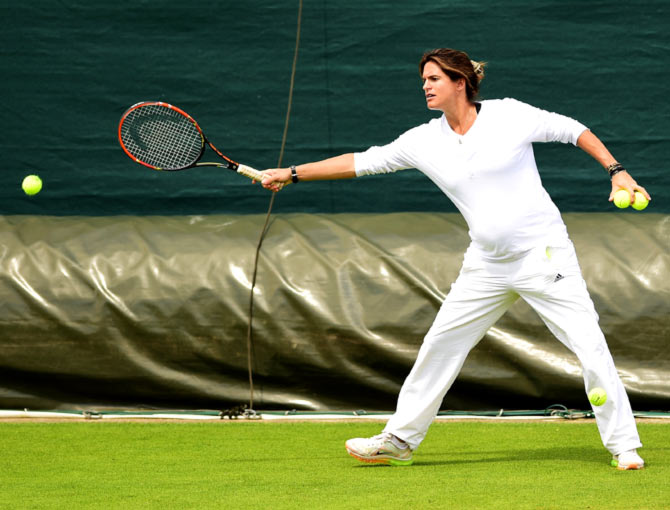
(629, 467)
(381, 460)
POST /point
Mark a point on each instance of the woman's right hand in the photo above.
(274, 179)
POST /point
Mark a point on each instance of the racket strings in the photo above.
(161, 137)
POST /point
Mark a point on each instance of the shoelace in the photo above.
(382, 438)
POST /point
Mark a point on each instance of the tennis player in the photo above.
(478, 152)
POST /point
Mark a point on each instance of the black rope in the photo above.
(265, 228)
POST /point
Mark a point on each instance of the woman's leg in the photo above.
(566, 308)
(476, 301)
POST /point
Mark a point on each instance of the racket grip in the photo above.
(254, 174)
(249, 172)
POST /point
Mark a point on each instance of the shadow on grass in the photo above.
(591, 455)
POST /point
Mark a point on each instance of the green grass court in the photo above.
(303, 465)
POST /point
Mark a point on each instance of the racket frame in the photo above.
(229, 163)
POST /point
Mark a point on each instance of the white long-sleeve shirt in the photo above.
(489, 173)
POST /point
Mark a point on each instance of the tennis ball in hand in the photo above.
(597, 396)
(641, 201)
(622, 199)
(32, 184)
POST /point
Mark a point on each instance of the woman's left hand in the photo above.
(623, 180)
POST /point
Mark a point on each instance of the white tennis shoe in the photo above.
(628, 460)
(379, 449)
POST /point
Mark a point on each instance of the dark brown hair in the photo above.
(456, 64)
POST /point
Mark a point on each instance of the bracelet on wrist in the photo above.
(294, 174)
(614, 169)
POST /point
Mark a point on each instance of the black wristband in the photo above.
(294, 174)
(614, 169)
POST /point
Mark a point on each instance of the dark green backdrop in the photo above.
(70, 69)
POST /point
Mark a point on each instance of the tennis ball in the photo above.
(597, 396)
(641, 201)
(622, 199)
(32, 184)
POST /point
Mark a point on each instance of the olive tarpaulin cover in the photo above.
(151, 312)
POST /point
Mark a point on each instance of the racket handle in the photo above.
(254, 174)
(249, 172)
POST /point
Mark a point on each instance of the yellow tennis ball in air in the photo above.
(641, 201)
(597, 396)
(622, 199)
(32, 184)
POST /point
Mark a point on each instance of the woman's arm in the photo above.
(592, 145)
(339, 167)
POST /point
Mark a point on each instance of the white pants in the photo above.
(481, 294)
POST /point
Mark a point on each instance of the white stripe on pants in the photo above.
(478, 298)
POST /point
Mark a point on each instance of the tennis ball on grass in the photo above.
(597, 396)
(622, 199)
(32, 184)
(641, 201)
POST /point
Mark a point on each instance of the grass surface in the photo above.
(303, 465)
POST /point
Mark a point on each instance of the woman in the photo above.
(476, 153)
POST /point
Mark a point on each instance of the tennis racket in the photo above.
(163, 137)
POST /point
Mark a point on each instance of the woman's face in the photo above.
(441, 92)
